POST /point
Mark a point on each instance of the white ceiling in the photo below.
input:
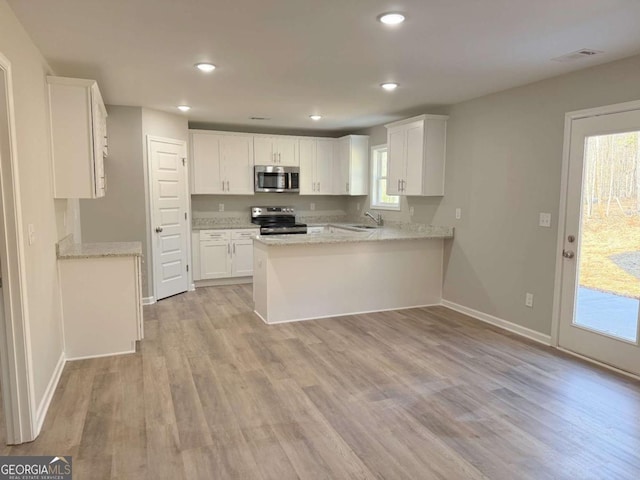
(287, 59)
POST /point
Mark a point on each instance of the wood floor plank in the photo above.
(423, 393)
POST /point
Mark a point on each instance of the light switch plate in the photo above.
(221, 207)
(458, 213)
(528, 300)
(545, 220)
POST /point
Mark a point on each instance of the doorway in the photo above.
(599, 298)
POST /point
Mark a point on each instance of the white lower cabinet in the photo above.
(222, 254)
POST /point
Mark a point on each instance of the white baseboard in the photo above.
(148, 300)
(499, 322)
(43, 408)
(86, 357)
(218, 282)
(344, 314)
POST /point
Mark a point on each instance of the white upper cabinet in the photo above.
(416, 153)
(221, 163)
(351, 165)
(276, 150)
(316, 165)
(78, 121)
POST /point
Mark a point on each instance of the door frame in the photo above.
(151, 205)
(564, 190)
(15, 345)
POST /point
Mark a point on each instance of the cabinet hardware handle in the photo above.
(158, 229)
(318, 186)
(399, 185)
(279, 158)
(223, 185)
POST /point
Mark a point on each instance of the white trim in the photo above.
(600, 364)
(345, 314)
(15, 349)
(41, 413)
(102, 355)
(499, 322)
(564, 188)
(192, 287)
(218, 282)
(148, 300)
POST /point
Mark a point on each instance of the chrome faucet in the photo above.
(379, 221)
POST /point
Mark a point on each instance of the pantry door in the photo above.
(599, 314)
(169, 216)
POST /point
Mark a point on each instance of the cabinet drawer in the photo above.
(244, 234)
(213, 235)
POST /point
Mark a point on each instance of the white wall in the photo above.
(504, 156)
(38, 208)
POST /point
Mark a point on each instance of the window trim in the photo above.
(374, 181)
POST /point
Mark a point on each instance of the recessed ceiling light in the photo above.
(391, 18)
(184, 108)
(389, 86)
(206, 67)
(315, 117)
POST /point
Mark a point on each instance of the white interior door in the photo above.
(169, 227)
(600, 289)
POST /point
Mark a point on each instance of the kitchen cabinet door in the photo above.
(307, 149)
(242, 264)
(237, 164)
(396, 165)
(206, 175)
(287, 151)
(414, 158)
(342, 155)
(264, 152)
(215, 259)
(324, 166)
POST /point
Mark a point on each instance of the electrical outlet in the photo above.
(528, 300)
(411, 211)
(221, 207)
(458, 213)
(545, 220)
(312, 206)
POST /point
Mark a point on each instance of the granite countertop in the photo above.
(66, 249)
(372, 235)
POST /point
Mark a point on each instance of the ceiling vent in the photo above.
(260, 119)
(580, 54)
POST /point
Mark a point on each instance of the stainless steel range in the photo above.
(276, 220)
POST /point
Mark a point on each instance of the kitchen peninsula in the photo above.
(300, 277)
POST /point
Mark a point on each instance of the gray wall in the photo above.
(205, 205)
(120, 215)
(504, 157)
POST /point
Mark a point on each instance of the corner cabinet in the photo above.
(416, 152)
(78, 121)
(351, 165)
(221, 163)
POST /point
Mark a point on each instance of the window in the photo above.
(379, 197)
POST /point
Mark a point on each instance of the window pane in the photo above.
(383, 164)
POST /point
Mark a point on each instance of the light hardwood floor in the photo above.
(414, 394)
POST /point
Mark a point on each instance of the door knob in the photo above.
(568, 254)
(158, 229)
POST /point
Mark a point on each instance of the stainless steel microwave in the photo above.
(269, 178)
